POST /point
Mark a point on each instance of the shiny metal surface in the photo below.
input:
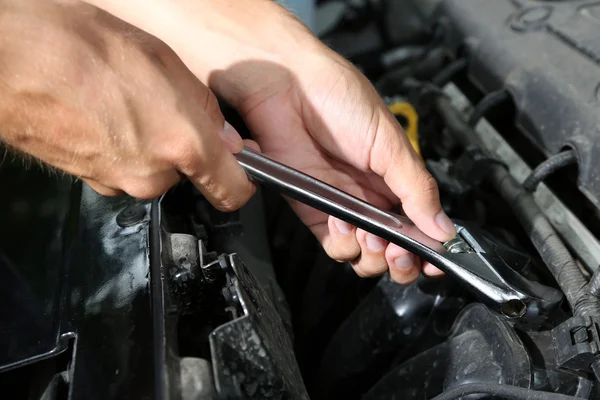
(72, 280)
(480, 270)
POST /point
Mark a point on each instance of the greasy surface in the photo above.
(389, 321)
(34, 210)
(253, 354)
(482, 348)
(548, 56)
(112, 319)
(69, 269)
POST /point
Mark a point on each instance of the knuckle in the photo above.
(405, 279)
(102, 190)
(143, 190)
(429, 185)
(185, 154)
(360, 272)
(224, 199)
(342, 252)
(376, 269)
(108, 192)
(229, 204)
(368, 270)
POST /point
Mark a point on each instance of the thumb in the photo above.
(208, 159)
(393, 158)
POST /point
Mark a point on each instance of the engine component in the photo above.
(548, 167)
(194, 303)
(577, 343)
(546, 57)
(501, 358)
(243, 335)
(383, 329)
(572, 230)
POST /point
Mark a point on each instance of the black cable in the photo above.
(551, 248)
(392, 82)
(449, 71)
(490, 101)
(501, 390)
(548, 167)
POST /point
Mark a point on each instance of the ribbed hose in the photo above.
(490, 101)
(594, 284)
(543, 236)
(502, 391)
(449, 71)
(548, 167)
(551, 248)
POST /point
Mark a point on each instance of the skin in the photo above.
(90, 95)
(305, 105)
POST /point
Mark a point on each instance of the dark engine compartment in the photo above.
(116, 298)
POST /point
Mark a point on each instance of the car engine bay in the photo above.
(170, 298)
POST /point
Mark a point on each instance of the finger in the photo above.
(101, 189)
(341, 244)
(430, 270)
(232, 140)
(404, 266)
(393, 158)
(252, 144)
(152, 186)
(212, 168)
(204, 98)
(371, 261)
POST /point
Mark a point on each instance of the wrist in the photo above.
(227, 44)
(241, 42)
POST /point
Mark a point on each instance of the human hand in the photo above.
(335, 127)
(309, 108)
(91, 95)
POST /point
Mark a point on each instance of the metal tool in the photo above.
(469, 257)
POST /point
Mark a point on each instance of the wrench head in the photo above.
(508, 292)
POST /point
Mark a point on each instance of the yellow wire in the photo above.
(412, 130)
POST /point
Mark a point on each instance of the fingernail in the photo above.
(229, 133)
(445, 223)
(374, 243)
(342, 226)
(404, 262)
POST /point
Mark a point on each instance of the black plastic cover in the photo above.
(547, 54)
(482, 348)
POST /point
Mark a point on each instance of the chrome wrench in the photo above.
(469, 257)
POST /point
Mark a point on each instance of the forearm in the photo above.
(213, 37)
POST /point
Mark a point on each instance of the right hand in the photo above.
(93, 96)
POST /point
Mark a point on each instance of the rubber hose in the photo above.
(503, 391)
(548, 167)
(490, 101)
(446, 75)
(552, 250)
(391, 82)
